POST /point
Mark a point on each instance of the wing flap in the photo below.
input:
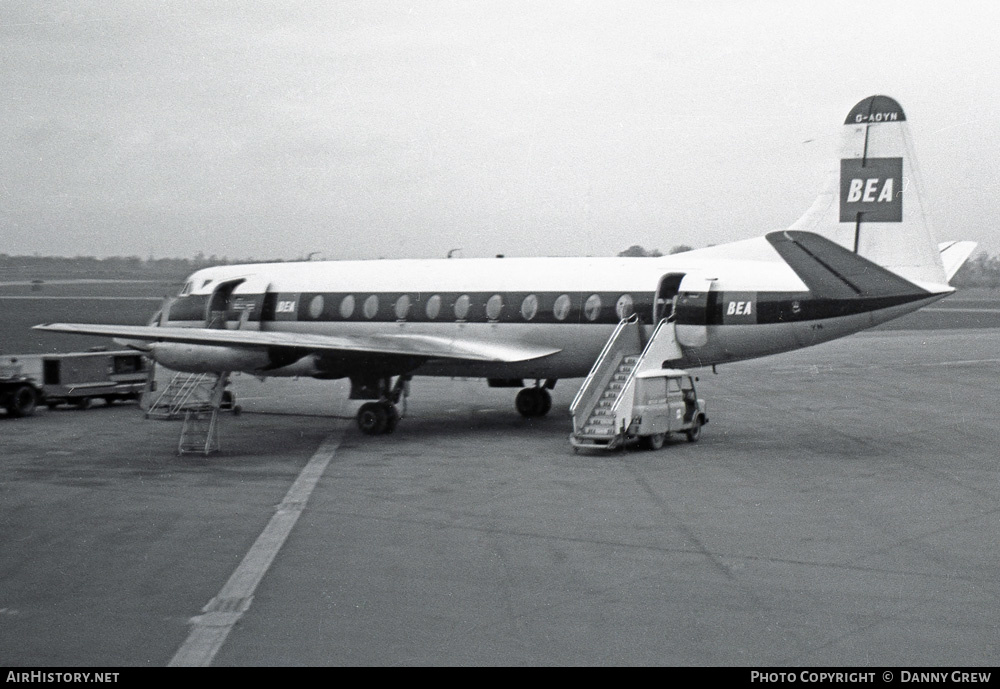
(414, 345)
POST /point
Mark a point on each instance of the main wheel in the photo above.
(83, 403)
(546, 401)
(391, 417)
(527, 403)
(23, 401)
(694, 433)
(655, 441)
(531, 402)
(372, 418)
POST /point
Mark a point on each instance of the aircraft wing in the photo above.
(412, 345)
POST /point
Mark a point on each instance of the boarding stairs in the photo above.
(602, 407)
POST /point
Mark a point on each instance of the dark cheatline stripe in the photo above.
(693, 308)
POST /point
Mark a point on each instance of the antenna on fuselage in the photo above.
(451, 251)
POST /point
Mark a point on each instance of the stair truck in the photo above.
(650, 406)
(633, 394)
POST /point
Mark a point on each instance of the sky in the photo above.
(407, 129)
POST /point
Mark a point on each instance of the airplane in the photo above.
(862, 254)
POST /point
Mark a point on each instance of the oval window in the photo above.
(371, 307)
(529, 307)
(347, 306)
(625, 306)
(592, 308)
(402, 307)
(316, 306)
(433, 307)
(462, 307)
(561, 308)
(494, 306)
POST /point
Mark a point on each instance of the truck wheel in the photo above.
(23, 401)
(83, 403)
(655, 441)
(694, 432)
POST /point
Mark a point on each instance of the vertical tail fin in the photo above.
(873, 204)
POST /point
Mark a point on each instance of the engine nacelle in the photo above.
(195, 358)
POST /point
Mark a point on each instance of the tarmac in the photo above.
(841, 509)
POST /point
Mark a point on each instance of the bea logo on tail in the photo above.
(870, 190)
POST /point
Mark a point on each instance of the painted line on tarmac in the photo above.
(81, 298)
(959, 310)
(210, 629)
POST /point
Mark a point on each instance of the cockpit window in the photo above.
(186, 289)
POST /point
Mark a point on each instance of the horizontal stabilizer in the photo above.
(831, 271)
(954, 255)
(420, 346)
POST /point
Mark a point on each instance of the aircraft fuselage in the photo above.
(724, 310)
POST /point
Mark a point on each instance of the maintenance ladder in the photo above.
(198, 396)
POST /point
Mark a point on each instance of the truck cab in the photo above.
(19, 393)
(665, 401)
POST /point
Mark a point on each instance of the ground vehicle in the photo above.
(665, 402)
(19, 394)
(80, 377)
(639, 405)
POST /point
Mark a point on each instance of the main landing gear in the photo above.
(536, 401)
(376, 418)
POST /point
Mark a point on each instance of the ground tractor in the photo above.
(19, 394)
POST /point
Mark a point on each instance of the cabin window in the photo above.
(347, 306)
(462, 307)
(402, 307)
(494, 306)
(561, 308)
(371, 307)
(625, 306)
(316, 306)
(673, 386)
(529, 307)
(433, 307)
(592, 307)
